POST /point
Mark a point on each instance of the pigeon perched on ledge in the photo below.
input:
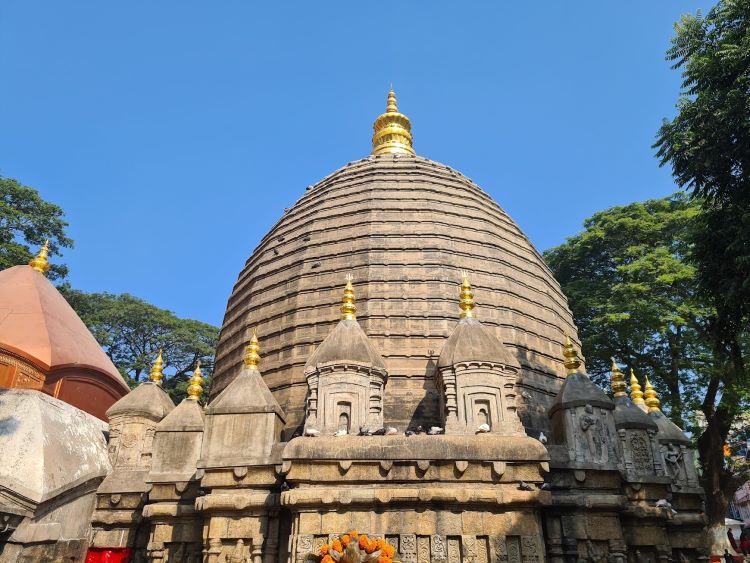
(434, 430)
(391, 431)
(483, 428)
(312, 432)
(524, 486)
(340, 433)
(542, 438)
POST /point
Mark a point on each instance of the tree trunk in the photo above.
(718, 482)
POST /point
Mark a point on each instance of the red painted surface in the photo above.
(109, 555)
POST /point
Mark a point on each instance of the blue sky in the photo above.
(174, 133)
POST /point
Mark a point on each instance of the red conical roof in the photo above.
(38, 324)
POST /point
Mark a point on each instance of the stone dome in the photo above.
(403, 226)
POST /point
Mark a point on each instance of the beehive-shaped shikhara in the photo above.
(404, 227)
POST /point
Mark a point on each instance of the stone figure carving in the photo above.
(596, 435)
(237, 555)
(675, 463)
(597, 553)
(529, 548)
(499, 551)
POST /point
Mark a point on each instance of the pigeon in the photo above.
(312, 432)
(285, 486)
(435, 430)
(409, 433)
(340, 433)
(545, 486)
(419, 429)
(378, 432)
(663, 503)
(542, 438)
(391, 431)
(483, 428)
(364, 431)
(525, 395)
(524, 486)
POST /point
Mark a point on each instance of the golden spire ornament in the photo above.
(392, 130)
(652, 400)
(157, 370)
(572, 362)
(40, 262)
(466, 302)
(252, 352)
(619, 387)
(636, 395)
(348, 308)
(195, 387)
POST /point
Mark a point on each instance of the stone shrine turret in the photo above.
(123, 493)
(346, 378)
(582, 417)
(477, 377)
(675, 448)
(174, 523)
(636, 430)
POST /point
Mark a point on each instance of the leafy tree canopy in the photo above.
(26, 221)
(707, 145)
(633, 295)
(132, 332)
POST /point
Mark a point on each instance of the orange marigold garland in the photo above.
(356, 548)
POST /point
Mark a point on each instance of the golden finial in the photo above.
(572, 361)
(157, 370)
(252, 352)
(652, 401)
(40, 262)
(466, 303)
(348, 308)
(619, 386)
(636, 395)
(392, 130)
(195, 389)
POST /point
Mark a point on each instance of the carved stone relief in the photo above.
(513, 545)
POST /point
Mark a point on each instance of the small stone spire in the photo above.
(195, 389)
(652, 400)
(619, 387)
(157, 370)
(392, 130)
(466, 303)
(572, 361)
(40, 262)
(348, 308)
(636, 395)
(252, 353)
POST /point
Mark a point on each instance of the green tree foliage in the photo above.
(132, 332)
(707, 145)
(26, 220)
(633, 296)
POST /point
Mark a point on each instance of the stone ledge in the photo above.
(168, 510)
(368, 496)
(236, 501)
(420, 447)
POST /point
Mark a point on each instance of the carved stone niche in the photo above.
(345, 397)
(477, 393)
(677, 455)
(582, 417)
(132, 425)
(346, 379)
(477, 379)
(637, 433)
